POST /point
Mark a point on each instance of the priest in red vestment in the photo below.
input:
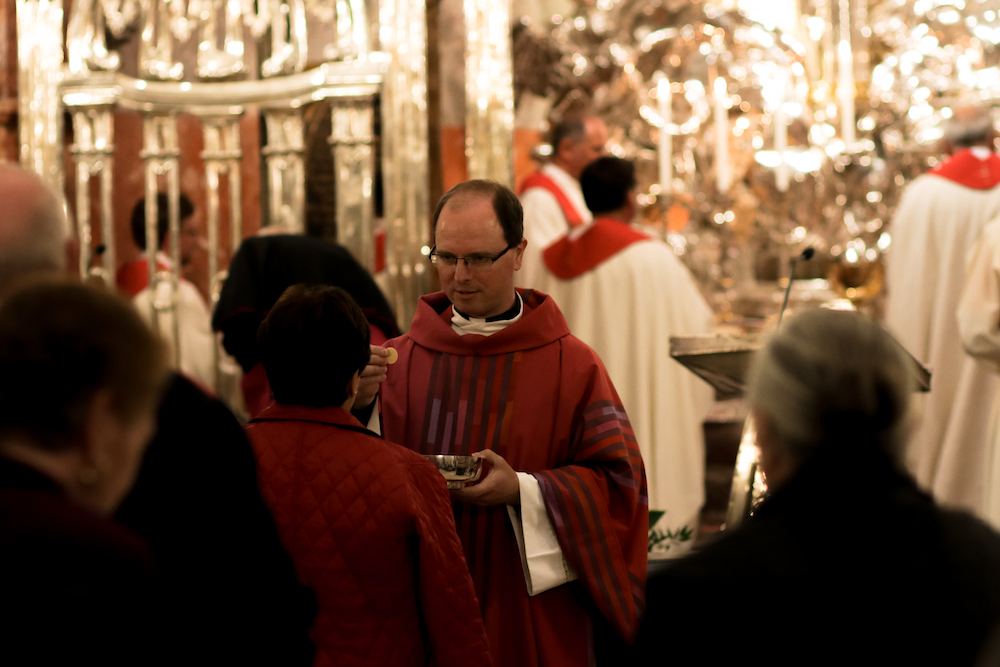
(555, 533)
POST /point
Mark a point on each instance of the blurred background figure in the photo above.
(33, 229)
(263, 268)
(368, 523)
(82, 376)
(196, 338)
(978, 316)
(935, 227)
(133, 276)
(625, 294)
(552, 200)
(196, 499)
(847, 557)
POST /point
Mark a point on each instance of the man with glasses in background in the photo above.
(555, 532)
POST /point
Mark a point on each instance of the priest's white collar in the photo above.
(464, 325)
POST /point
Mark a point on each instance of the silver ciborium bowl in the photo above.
(457, 470)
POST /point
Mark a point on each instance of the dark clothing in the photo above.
(75, 587)
(230, 591)
(265, 266)
(848, 563)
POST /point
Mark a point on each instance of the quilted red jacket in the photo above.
(370, 528)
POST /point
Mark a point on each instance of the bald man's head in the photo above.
(32, 227)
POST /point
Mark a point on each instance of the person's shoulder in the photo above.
(577, 350)
(970, 535)
(407, 459)
(184, 400)
(73, 534)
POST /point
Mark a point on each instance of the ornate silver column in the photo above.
(93, 154)
(223, 156)
(351, 141)
(404, 154)
(286, 173)
(489, 90)
(161, 153)
(39, 59)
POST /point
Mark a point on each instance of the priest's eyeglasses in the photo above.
(477, 261)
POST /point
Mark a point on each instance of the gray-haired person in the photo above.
(847, 561)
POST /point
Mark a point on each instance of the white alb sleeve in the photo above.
(542, 559)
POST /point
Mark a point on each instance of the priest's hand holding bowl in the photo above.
(498, 487)
(374, 374)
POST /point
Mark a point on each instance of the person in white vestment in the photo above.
(551, 197)
(979, 321)
(194, 320)
(938, 220)
(624, 294)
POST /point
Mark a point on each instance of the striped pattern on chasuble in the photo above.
(468, 402)
(577, 501)
(466, 411)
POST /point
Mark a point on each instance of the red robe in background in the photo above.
(541, 399)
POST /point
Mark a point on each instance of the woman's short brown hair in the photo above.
(311, 344)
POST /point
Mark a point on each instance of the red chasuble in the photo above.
(568, 258)
(966, 169)
(541, 399)
(540, 180)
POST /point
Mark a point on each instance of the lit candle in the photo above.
(781, 141)
(665, 101)
(723, 170)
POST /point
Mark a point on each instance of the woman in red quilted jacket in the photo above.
(368, 523)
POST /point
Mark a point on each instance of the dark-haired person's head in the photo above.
(186, 208)
(505, 204)
(314, 344)
(82, 377)
(577, 140)
(607, 183)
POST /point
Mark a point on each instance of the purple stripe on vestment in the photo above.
(435, 410)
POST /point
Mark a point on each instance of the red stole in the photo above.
(540, 180)
(966, 169)
(568, 258)
(541, 399)
(133, 277)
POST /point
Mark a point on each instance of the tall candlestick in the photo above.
(781, 140)
(845, 80)
(845, 92)
(665, 101)
(781, 146)
(723, 170)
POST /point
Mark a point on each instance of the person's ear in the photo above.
(100, 427)
(519, 253)
(632, 207)
(353, 384)
(565, 147)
